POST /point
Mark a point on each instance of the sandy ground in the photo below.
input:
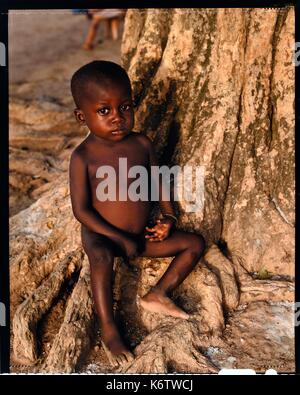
(45, 50)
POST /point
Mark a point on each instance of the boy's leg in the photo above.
(101, 251)
(187, 249)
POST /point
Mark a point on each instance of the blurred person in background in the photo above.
(112, 17)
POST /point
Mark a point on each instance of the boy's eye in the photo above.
(103, 111)
(125, 107)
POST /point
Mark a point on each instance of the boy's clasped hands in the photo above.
(160, 231)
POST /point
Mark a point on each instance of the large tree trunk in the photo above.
(214, 88)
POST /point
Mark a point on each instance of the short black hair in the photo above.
(99, 72)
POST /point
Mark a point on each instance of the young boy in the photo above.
(118, 226)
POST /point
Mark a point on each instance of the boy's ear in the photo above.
(79, 116)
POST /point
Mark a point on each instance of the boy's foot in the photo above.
(157, 302)
(117, 353)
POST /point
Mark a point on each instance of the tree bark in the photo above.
(216, 88)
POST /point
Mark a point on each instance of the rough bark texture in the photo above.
(33, 308)
(214, 88)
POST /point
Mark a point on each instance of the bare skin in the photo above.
(119, 228)
(157, 302)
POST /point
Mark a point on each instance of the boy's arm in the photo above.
(165, 205)
(80, 199)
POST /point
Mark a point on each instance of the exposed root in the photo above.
(259, 290)
(73, 338)
(31, 267)
(224, 270)
(174, 344)
(35, 306)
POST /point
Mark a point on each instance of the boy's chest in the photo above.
(122, 160)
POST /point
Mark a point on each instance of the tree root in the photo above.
(260, 290)
(35, 306)
(73, 338)
(173, 346)
(223, 268)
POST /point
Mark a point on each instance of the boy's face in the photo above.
(107, 111)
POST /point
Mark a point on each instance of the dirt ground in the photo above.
(45, 50)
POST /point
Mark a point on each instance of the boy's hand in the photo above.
(160, 231)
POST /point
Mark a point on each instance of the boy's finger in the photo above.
(150, 237)
(150, 229)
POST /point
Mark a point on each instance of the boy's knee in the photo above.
(101, 256)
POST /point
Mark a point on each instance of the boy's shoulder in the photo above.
(80, 150)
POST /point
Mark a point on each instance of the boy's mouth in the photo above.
(119, 131)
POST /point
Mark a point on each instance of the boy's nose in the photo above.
(117, 118)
